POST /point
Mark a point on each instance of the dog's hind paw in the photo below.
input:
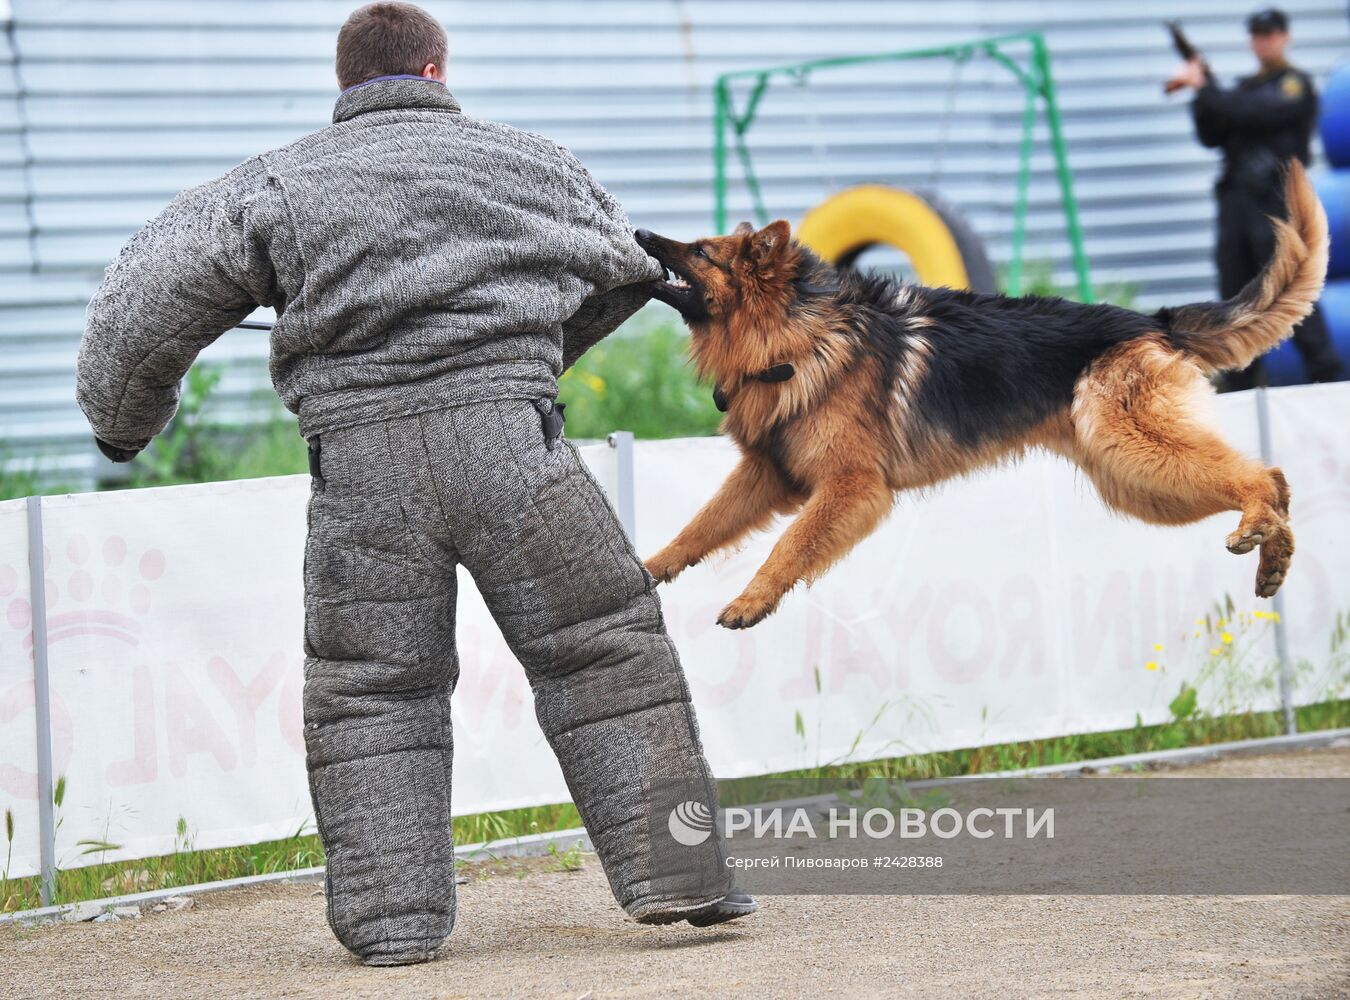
(1241, 542)
(1276, 555)
(1268, 581)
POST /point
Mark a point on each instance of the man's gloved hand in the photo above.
(115, 453)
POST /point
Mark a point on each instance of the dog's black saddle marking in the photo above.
(810, 289)
(777, 373)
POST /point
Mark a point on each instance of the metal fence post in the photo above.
(1277, 602)
(42, 704)
(1041, 60)
(625, 502)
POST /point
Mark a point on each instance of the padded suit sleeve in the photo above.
(619, 271)
(189, 275)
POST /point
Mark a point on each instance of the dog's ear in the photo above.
(744, 229)
(769, 243)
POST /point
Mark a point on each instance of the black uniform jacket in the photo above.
(1264, 121)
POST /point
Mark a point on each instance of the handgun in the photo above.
(1185, 49)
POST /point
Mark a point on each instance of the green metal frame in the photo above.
(1037, 84)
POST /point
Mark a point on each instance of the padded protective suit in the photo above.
(433, 274)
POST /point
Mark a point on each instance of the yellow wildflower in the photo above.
(1227, 638)
(1215, 651)
(1151, 665)
(1157, 647)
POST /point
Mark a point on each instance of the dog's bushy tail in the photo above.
(1230, 335)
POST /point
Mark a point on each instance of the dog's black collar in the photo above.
(776, 373)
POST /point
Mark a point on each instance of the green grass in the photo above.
(642, 383)
(188, 866)
(17, 483)
(1197, 731)
(22, 480)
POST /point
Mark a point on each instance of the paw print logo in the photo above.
(18, 612)
(103, 592)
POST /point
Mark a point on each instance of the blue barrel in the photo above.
(1335, 123)
(1333, 188)
(1284, 365)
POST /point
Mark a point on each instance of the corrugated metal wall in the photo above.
(109, 107)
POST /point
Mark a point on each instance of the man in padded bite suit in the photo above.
(433, 274)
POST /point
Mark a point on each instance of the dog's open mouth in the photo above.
(675, 282)
(674, 288)
(677, 290)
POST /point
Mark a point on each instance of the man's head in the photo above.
(390, 39)
(1269, 29)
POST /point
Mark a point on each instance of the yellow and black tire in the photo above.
(937, 240)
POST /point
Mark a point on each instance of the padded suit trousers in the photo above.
(396, 507)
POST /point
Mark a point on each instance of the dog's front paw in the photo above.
(746, 611)
(666, 566)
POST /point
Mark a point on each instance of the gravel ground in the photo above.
(526, 929)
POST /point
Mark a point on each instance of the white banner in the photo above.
(174, 629)
(1310, 430)
(18, 729)
(1007, 606)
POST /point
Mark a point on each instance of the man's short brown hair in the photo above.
(388, 39)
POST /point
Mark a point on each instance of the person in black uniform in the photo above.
(1261, 123)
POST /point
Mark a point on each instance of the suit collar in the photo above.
(389, 93)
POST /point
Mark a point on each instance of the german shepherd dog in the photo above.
(841, 389)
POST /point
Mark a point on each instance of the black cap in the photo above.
(1268, 20)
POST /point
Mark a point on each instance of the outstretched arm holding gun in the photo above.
(1219, 111)
(1211, 128)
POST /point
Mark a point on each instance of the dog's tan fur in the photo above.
(823, 446)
